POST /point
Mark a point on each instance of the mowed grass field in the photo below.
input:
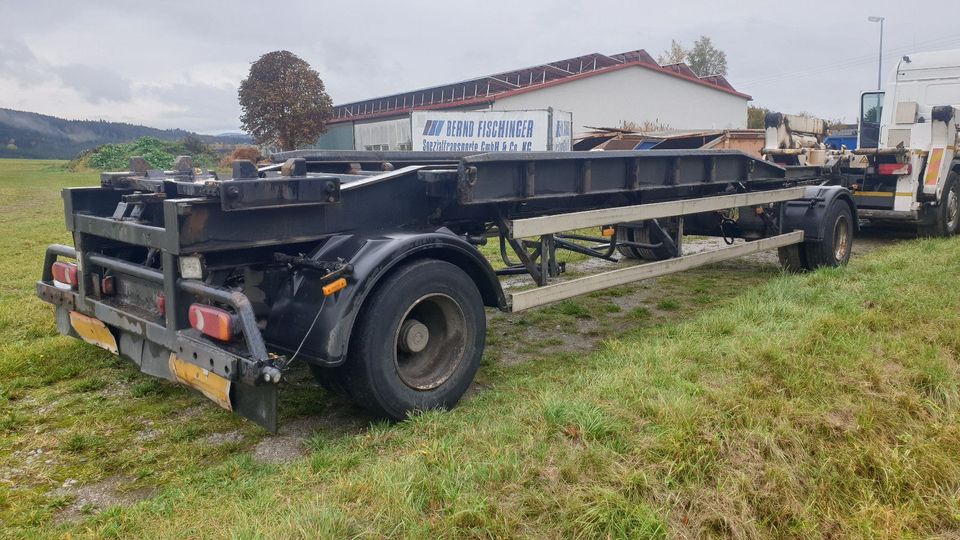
(731, 401)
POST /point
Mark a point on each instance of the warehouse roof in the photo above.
(482, 90)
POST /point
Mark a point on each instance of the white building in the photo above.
(600, 91)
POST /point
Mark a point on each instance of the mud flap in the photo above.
(807, 214)
(257, 403)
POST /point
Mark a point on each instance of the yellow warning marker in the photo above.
(208, 383)
(93, 331)
(334, 286)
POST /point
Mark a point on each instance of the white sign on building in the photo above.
(491, 131)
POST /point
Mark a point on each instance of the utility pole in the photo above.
(880, 58)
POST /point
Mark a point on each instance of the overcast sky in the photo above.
(178, 63)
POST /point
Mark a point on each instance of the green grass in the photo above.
(758, 405)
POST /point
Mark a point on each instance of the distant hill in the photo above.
(33, 135)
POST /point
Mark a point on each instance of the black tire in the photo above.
(835, 247)
(626, 233)
(641, 232)
(793, 258)
(331, 379)
(833, 250)
(946, 220)
(385, 372)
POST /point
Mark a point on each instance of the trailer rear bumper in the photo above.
(236, 382)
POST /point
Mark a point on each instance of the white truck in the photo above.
(909, 136)
(906, 167)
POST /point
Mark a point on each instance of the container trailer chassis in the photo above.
(366, 265)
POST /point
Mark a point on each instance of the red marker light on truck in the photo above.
(65, 273)
(894, 169)
(214, 322)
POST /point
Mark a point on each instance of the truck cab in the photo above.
(908, 136)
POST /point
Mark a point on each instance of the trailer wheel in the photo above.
(417, 342)
(833, 250)
(947, 214)
(837, 243)
(331, 379)
(793, 258)
(640, 232)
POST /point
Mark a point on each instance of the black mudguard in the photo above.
(301, 301)
(807, 214)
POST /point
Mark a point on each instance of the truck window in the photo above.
(871, 105)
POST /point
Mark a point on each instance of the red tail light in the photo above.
(162, 304)
(108, 286)
(65, 273)
(894, 169)
(214, 322)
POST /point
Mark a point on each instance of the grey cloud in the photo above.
(95, 84)
(18, 63)
(204, 107)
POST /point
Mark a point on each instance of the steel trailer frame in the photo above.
(270, 239)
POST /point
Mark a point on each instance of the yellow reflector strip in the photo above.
(334, 286)
(933, 166)
(93, 331)
(209, 384)
(882, 194)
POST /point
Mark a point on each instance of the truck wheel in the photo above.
(947, 213)
(835, 247)
(417, 342)
(640, 232)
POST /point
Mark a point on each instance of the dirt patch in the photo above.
(539, 340)
(279, 449)
(224, 438)
(94, 498)
(290, 443)
(148, 433)
(841, 421)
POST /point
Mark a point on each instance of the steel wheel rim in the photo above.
(429, 366)
(841, 238)
(953, 209)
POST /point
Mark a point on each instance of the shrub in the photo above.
(159, 154)
(250, 153)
